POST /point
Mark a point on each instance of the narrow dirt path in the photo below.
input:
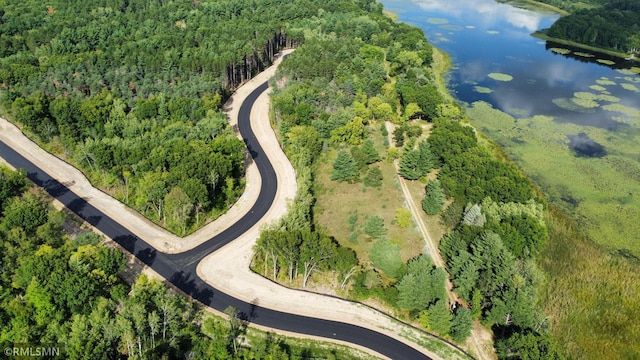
(480, 338)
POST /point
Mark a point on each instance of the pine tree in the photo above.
(371, 154)
(461, 324)
(434, 199)
(344, 167)
(373, 177)
(439, 318)
(409, 165)
(427, 159)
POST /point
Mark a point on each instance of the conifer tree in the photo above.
(409, 165)
(344, 167)
(371, 154)
(434, 199)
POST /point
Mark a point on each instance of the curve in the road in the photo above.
(180, 269)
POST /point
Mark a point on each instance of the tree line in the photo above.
(609, 25)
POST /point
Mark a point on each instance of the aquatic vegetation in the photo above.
(606, 62)
(574, 105)
(585, 103)
(540, 146)
(437, 21)
(493, 32)
(627, 110)
(597, 88)
(482, 90)
(630, 87)
(452, 27)
(470, 27)
(583, 54)
(605, 81)
(632, 71)
(608, 98)
(500, 76)
(560, 50)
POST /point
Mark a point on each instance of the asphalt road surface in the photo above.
(180, 269)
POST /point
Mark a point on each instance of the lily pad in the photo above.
(452, 27)
(606, 62)
(605, 81)
(569, 104)
(630, 87)
(583, 54)
(437, 21)
(482, 90)
(470, 27)
(627, 110)
(500, 77)
(597, 88)
(560, 50)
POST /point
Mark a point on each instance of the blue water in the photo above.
(483, 36)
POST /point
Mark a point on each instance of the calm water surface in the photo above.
(593, 162)
(483, 37)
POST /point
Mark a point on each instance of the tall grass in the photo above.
(592, 297)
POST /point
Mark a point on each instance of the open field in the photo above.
(336, 202)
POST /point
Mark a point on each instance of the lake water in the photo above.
(569, 118)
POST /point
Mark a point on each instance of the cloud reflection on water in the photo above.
(491, 12)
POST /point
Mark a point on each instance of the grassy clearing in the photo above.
(337, 202)
(591, 295)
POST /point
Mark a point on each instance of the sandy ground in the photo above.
(228, 268)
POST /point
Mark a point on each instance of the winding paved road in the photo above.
(180, 269)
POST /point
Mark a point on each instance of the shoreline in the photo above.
(541, 34)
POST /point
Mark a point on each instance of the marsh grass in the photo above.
(591, 293)
(591, 297)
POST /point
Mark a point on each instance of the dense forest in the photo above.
(612, 25)
(68, 291)
(130, 91)
(350, 79)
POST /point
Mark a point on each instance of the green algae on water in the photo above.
(560, 50)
